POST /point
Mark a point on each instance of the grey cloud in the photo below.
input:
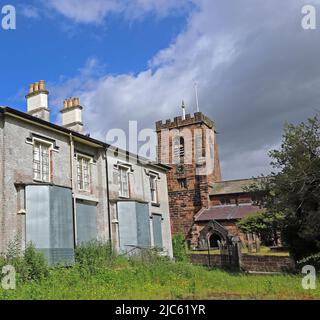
(256, 69)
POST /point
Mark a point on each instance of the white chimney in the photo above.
(72, 114)
(37, 101)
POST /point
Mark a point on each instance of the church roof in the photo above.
(231, 186)
(228, 212)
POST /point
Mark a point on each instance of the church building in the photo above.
(197, 194)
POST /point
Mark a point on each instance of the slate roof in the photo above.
(228, 212)
(231, 186)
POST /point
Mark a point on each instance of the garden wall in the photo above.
(248, 262)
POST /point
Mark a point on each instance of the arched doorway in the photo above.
(214, 238)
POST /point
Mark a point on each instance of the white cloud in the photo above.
(29, 11)
(255, 69)
(95, 11)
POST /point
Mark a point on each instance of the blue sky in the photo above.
(47, 45)
(255, 66)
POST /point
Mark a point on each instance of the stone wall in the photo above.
(248, 262)
(267, 263)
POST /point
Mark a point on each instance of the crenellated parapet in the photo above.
(197, 118)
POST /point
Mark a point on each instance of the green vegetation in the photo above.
(293, 191)
(265, 224)
(29, 266)
(179, 248)
(98, 274)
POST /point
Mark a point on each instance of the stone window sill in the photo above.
(155, 205)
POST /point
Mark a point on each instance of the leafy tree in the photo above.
(265, 224)
(294, 188)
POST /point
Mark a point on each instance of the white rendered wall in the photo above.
(38, 101)
(71, 116)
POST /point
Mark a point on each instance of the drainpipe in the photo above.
(108, 198)
(73, 191)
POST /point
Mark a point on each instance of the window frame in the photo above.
(183, 181)
(49, 146)
(154, 191)
(126, 169)
(89, 160)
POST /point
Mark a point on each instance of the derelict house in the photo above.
(60, 188)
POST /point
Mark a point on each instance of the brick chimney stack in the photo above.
(37, 101)
(72, 114)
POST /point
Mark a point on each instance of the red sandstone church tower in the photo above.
(189, 145)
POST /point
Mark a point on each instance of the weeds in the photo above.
(100, 274)
(30, 265)
(179, 248)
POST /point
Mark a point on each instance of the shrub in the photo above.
(179, 248)
(94, 254)
(35, 263)
(29, 265)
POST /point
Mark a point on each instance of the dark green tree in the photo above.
(293, 189)
(264, 224)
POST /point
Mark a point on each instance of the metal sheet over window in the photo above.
(49, 222)
(157, 230)
(134, 225)
(86, 222)
(127, 217)
(143, 225)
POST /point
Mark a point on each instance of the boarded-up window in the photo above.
(49, 222)
(157, 230)
(86, 222)
(134, 226)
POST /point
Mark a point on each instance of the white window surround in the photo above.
(84, 164)
(32, 140)
(154, 173)
(123, 165)
(42, 160)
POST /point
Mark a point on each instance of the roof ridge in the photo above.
(234, 180)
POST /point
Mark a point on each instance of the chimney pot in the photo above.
(65, 104)
(70, 102)
(41, 85)
(76, 102)
(31, 88)
(36, 87)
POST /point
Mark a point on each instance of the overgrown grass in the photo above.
(99, 274)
